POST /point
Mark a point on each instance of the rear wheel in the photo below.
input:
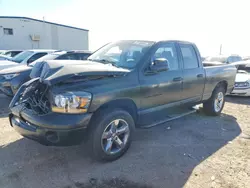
(110, 134)
(215, 104)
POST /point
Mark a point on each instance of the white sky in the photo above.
(207, 23)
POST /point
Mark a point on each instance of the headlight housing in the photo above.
(242, 84)
(10, 76)
(71, 102)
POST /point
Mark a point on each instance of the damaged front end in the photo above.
(33, 95)
(32, 116)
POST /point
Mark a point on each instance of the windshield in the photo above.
(22, 56)
(125, 54)
(47, 57)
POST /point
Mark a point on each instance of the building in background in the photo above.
(29, 33)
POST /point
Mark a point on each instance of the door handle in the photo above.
(200, 75)
(177, 79)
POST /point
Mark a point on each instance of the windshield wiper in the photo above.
(105, 61)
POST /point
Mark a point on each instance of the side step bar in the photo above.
(194, 110)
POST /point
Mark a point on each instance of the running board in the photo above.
(170, 118)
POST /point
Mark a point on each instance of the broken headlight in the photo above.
(71, 102)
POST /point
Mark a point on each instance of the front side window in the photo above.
(125, 54)
(190, 59)
(168, 51)
(8, 31)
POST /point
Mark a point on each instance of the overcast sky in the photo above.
(208, 23)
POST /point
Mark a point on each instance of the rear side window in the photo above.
(14, 53)
(189, 56)
(37, 56)
(83, 56)
(68, 57)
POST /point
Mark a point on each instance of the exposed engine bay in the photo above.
(35, 97)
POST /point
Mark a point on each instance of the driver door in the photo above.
(162, 88)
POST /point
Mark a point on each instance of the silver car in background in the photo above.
(242, 80)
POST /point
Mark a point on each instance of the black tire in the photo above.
(209, 106)
(99, 125)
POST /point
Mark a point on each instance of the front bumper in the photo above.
(51, 129)
(241, 91)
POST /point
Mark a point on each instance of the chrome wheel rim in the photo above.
(218, 102)
(115, 136)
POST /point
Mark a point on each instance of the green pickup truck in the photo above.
(122, 86)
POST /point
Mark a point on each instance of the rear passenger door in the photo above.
(193, 73)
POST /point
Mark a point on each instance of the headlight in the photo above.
(10, 76)
(242, 84)
(71, 102)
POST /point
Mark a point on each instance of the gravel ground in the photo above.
(194, 151)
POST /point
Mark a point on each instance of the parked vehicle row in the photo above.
(10, 53)
(5, 58)
(122, 86)
(13, 77)
(224, 59)
(242, 80)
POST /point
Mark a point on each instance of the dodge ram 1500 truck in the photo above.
(124, 85)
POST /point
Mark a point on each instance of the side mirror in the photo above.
(159, 65)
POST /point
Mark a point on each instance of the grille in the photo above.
(35, 97)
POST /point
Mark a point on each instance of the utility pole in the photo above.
(220, 49)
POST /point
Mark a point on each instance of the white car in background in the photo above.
(4, 58)
(224, 59)
(11, 53)
(24, 58)
(2, 52)
(242, 80)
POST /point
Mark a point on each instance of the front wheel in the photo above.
(111, 134)
(215, 104)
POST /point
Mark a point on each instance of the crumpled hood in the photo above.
(55, 71)
(242, 77)
(15, 69)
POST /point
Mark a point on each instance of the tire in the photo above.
(210, 107)
(103, 126)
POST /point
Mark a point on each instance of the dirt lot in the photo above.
(195, 151)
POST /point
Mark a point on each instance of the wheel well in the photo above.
(222, 84)
(125, 104)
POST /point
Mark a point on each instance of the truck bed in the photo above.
(218, 73)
